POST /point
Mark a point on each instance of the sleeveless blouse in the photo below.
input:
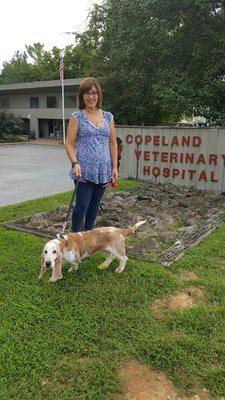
(92, 151)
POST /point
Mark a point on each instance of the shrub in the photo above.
(8, 122)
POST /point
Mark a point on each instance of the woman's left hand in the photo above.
(115, 174)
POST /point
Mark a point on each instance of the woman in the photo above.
(95, 160)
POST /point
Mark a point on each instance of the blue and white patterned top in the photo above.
(93, 152)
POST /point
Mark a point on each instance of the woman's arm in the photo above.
(113, 150)
(70, 142)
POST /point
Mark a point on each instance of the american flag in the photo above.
(61, 70)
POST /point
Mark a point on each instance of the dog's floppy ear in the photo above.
(57, 269)
(43, 268)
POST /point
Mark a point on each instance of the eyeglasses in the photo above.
(92, 93)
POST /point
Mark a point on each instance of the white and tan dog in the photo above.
(74, 247)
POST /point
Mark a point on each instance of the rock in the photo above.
(150, 213)
(119, 201)
(190, 221)
(150, 244)
(183, 203)
(167, 219)
(188, 230)
(168, 237)
(189, 214)
(143, 197)
(37, 221)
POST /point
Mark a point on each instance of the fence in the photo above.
(182, 156)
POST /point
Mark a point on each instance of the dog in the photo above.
(74, 247)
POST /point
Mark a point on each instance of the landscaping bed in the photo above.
(176, 219)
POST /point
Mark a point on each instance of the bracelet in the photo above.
(74, 163)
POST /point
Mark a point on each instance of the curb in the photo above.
(32, 142)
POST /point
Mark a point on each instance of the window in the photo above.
(51, 102)
(34, 102)
(4, 102)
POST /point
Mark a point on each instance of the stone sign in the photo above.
(182, 156)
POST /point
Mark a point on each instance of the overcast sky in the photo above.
(45, 21)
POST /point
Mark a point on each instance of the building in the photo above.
(39, 104)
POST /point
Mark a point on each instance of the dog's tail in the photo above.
(132, 229)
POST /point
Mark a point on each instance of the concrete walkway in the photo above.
(32, 170)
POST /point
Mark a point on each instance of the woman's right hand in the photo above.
(77, 170)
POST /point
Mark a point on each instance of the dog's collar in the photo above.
(60, 236)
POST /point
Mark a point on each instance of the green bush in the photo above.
(8, 122)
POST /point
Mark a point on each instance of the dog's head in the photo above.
(51, 253)
(51, 256)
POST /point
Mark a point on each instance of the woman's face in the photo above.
(91, 97)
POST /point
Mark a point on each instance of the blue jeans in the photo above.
(88, 198)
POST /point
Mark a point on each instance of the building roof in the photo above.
(39, 86)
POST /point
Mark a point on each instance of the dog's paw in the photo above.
(72, 269)
(52, 279)
(118, 270)
(101, 266)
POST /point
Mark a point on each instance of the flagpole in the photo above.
(63, 114)
(61, 75)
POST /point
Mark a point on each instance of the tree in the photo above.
(171, 54)
(18, 69)
(44, 65)
(194, 77)
(84, 58)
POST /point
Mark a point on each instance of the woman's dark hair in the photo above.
(85, 87)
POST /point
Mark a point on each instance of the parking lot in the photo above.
(30, 171)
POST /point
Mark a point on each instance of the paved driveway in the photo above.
(30, 171)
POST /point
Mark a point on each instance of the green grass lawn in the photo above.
(66, 340)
